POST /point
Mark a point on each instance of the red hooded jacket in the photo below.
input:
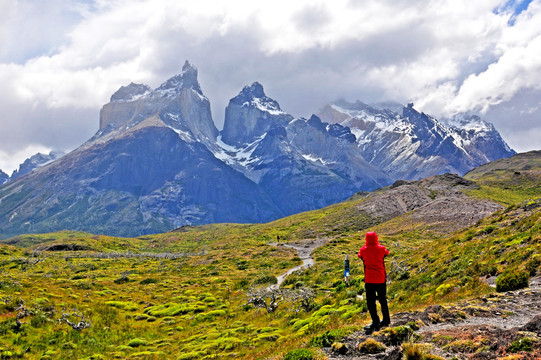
(373, 255)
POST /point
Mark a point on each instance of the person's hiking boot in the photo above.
(385, 323)
(371, 328)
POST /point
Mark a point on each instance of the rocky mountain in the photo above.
(3, 177)
(302, 163)
(158, 162)
(407, 144)
(34, 162)
(148, 169)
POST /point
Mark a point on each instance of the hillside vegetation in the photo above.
(200, 292)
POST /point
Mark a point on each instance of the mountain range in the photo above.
(158, 161)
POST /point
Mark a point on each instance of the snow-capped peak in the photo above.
(469, 122)
(185, 80)
(254, 96)
(131, 92)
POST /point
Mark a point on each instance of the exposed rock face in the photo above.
(250, 115)
(34, 162)
(3, 177)
(179, 102)
(413, 145)
(302, 163)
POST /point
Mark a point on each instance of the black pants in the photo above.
(379, 292)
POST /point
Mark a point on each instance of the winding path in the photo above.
(304, 249)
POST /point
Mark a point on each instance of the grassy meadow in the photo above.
(185, 294)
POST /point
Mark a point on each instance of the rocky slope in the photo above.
(3, 177)
(409, 145)
(34, 162)
(489, 327)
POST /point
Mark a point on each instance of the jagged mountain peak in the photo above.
(3, 177)
(131, 92)
(185, 80)
(178, 102)
(393, 106)
(36, 161)
(254, 96)
(468, 121)
(253, 91)
(250, 115)
(409, 144)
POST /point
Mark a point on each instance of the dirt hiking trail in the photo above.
(497, 326)
(304, 249)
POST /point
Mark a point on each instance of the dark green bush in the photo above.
(397, 335)
(533, 265)
(327, 338)
(242, 264)
(266, 279)
(512, 280)
(148, 281)
(299, 354)
(242, 284)
(339, 285)
(121, 280)
(523, 344)
(38, 320)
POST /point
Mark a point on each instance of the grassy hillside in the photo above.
(509, 181)
(185, 294)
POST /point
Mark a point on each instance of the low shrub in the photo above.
(137, 342)
(523, 344)
(266, 279)
(397, 335)
(532, 266)
(412, 351)
(512, 280)
(462, 346)
(242, 264)
(122, 280)
(191, 355)
(148, 281)
(371, 346)
(125, 305)
(173, 309)
(299, 354)
(327, 338)
(339, 348)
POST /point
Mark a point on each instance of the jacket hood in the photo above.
(371, 239)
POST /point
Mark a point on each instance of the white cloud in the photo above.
(518, 67)
(11, 161)
(444, 55)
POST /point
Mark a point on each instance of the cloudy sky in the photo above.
(60, 60)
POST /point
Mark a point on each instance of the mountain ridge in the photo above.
(265, 163)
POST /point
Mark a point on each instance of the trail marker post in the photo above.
(346, 270)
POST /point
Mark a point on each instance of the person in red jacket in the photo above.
(375, 279)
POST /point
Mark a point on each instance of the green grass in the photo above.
(183, 295)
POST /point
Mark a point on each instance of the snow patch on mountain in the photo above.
(266, 106)
(36, 161)
(313, 158)
(237, 156)
(411, 145)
